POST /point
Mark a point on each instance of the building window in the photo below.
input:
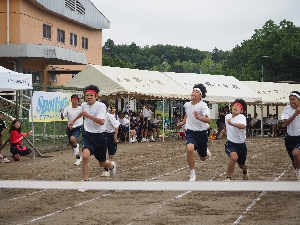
(73, 39)
(46, 31)
(60, 36)
(85, 43)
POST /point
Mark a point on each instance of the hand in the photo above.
(70, 125)
(30, 132)
(297, 112)
(116, 140)
(229, 121)
(195, 114)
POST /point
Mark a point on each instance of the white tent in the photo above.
(114, 82)
(271, 93)
(220, 88)
(12, 81)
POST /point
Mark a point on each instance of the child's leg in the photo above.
(86, 163)
(233, 157)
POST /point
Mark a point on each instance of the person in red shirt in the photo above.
(15, 139)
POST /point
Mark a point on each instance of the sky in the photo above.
(200, 24)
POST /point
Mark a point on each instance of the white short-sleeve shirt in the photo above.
(293, 129)
(98, 109)
(191, 122)
(71, 113)
(235, 134)
(111, 123)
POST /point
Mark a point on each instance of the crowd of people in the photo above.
(103, 129)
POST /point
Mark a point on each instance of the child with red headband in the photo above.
(291, 120)
(235, 147)
(73, 133)
(196, 123)
(94, 139)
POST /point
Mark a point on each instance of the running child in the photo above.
(73, 132)
(94, 140)
(196, 120)
(291, 120)
(111, 132)
(235, 147)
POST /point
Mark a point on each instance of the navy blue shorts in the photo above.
(96, 143)
(239, 148)
(291, 142)
(111, 145)
(149, 126)
(75, 132)
(199, 140)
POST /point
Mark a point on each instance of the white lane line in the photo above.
(257, 199)
(70, 207)
(129, 169)
(147, 213)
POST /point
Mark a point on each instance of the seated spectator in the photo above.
(156, 124)
(270, 125)
(253, 122)
(126, 122)
(15, 139)
(133, 128)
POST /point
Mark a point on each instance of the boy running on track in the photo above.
(94, 140)
(196, 120)
(73, 133)
(235, 147)
(291, 120)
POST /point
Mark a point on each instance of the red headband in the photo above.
(74, 99)
(239, 105)
(92, 91)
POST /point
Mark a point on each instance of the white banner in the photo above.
(46, 106)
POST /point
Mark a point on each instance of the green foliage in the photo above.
(273, 53)
(247, 61)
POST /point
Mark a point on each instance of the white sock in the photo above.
(193, 172)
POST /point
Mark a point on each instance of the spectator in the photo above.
(15, 139)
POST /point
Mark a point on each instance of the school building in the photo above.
(51, 39)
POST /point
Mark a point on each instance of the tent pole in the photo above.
(32, 126)
(261, 123)
(129, 117)
(163, 119)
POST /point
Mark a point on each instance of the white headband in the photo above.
(198, 89)
(295, 94)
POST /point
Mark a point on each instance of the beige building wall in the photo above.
(26, 26)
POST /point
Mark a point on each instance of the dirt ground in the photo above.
(159, 160)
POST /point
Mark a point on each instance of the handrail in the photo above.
(13, 103)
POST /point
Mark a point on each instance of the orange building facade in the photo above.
(51, 39)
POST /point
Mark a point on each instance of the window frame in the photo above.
(61, 36)
(73, 39)
(85, 43)
(47, 31)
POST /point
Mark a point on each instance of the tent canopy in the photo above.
(220, 88)
(271, 93)
(142, 84)
(13, 81)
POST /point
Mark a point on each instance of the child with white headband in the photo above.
(235, 147)
(196, 121)
(291, 120)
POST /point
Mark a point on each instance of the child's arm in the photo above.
(182, 122)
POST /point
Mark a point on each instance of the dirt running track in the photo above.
(267, 160)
